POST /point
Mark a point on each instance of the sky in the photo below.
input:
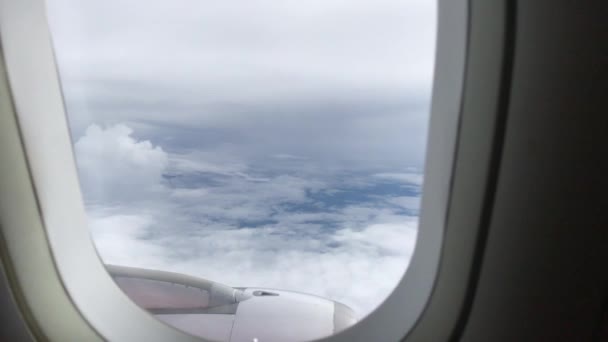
(259, 143)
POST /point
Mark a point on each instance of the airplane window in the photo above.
(272, 148)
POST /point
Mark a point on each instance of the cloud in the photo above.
(406, 202)
(358, 267)
(329, 39)
(285, 156)
(121, 239)
(405, 177)
(113, 165)
(342, 81)
(221, 222)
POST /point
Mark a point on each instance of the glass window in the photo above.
(254, 143)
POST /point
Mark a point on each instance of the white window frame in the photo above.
(60, 282)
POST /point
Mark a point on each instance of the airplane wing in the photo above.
(222, 313)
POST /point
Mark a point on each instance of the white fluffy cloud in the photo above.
(114, 165)
(358, 267)
(120, 238)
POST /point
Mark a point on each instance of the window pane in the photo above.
(262, 143)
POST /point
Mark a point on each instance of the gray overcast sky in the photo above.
(326, 79)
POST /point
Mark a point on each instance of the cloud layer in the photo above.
(342, 81)
(344, 239)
